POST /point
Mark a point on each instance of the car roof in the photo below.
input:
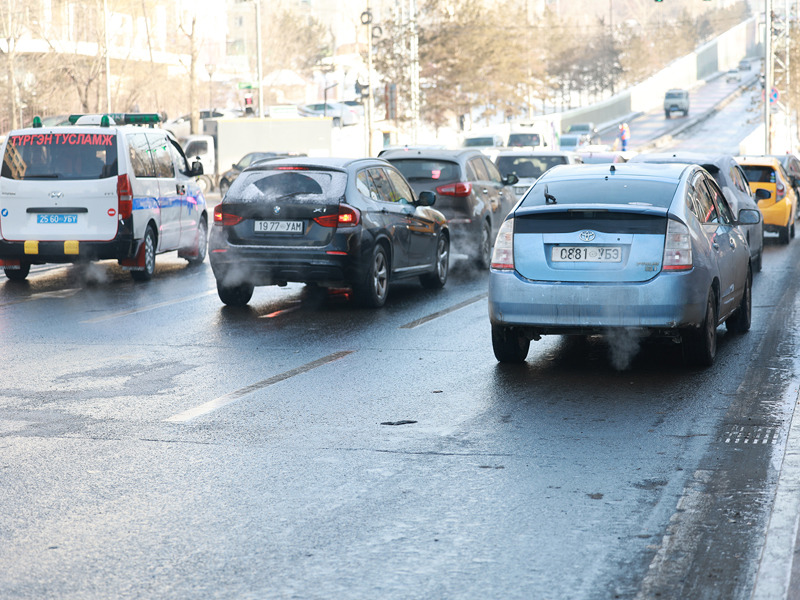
(535, 153)
(671, 172)
(434, 153)
(763, 161)
(696, 158)
(321, 162)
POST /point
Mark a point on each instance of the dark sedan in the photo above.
(469, 190)
(329, 222)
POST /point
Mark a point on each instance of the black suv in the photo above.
(470, 193)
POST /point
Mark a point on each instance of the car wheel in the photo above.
(224, 186)
(791, 231)
(666, 114)
(757, 263)
(509, 345)
(484, 254)
(201, 247)
(235, 295)
(337, 122)
(149, 249)
(438, 277)
(372, 291)
(784, 235)
(700, 346)
(739, 322)
(204, 183)
(20, 274)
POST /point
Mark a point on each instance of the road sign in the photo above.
(773, 96)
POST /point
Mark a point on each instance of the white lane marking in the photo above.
(444, 312)
(213, 405)
(148, 308)
(775, 567)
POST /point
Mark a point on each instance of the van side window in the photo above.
(140, 155)
(161, 157)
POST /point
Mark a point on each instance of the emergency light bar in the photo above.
(122, 119)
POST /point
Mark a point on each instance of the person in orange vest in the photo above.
(624, 135)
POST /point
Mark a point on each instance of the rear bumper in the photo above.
(665, 304)
(39, 252)
(777, 216)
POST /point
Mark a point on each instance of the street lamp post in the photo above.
(210, 67)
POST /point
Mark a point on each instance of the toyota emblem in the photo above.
(55, 195)
(587, 236)
(276, 210)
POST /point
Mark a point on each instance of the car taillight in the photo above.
(781, 190)
(455, 189)
(503, 254)
(347, 217)
(677, 247)
(124, 197)
(225, 219)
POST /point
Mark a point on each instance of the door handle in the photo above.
(180, 188)
(485, 190)
(732, 243)
(715, 245)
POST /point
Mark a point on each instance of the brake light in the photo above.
(346, 217)
(677, 247)
(225, 219)
(124, 197)
(291, 168)
(781, 190)
(455, 189)
(503, 254)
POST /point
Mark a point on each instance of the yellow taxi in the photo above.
(780, 208)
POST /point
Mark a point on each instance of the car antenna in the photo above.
(548, 197)
(613, 169)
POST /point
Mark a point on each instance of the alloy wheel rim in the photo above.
(379, 275)
(441, 267)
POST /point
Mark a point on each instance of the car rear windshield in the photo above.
(302, 185)
(673, 95)
(528, 166)
(428, 170)
(611, 190)
(757, 174)
(60, 156)
(478, 141)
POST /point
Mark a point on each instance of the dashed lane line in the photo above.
(227, 399)
(148, 308)
(444, 312)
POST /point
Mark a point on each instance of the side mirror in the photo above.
(426, 198)
(510, 179)
(762, 194)
(749, 216)
(197, 169)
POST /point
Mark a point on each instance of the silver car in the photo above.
(528, 165)
(595, 248)
(731, 178)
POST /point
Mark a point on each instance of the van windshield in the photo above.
(60, 156)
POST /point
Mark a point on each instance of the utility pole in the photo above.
(366, 19)
(108, 57)
(259, 61)
(415, 95)
(767, 75)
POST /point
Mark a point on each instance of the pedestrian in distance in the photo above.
(624, 135)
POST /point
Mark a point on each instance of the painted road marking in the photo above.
(444, 312)
(148, 308)
(213, 405)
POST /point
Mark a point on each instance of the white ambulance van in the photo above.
(107, 187)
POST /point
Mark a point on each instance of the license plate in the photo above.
(53, 219)
(520, 189)
(279, 226)
(586, 254)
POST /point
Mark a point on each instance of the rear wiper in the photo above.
(548, 197)
(42, 176)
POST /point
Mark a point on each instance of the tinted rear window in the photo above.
(524, 139)
(61, 156)
(758, 174)
(528, 166)
(610, 190)
(674, 95)
(299, 185)
(479, 141)
(427, 170)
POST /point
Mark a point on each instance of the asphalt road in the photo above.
(156, 444)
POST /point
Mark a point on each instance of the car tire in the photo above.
(235, 295)
(483, 257)
(791, 231)
(224, 186)
(509, 345)
(784, 235)
(204, 183)
(700, 346)
(20, 274)
(438, 277)
(739, 322)
(667, 115)
(337, 122)
(374, 288)
(201, 247)
(149, 245)
(758, 262)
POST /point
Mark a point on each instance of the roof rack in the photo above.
(106, 119)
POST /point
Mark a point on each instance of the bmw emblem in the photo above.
(5, 212)
(276, 210)
(586, 236)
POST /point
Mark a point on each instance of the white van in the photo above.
(98, 189)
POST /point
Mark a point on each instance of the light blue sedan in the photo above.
(591, 249)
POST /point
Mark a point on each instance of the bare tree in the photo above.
(190, 33)
(11, 30)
